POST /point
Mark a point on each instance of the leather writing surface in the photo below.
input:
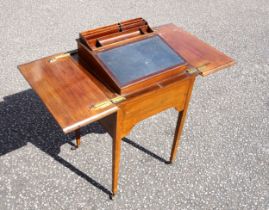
(136, 60)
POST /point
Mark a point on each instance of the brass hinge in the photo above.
(202, 67)
(117, 99)
(107, 103)
(59, 57)
(102, 104)
(192, 70)
(198, 69)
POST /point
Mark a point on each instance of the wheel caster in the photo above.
(74, 147)
(169, 162)
(112, 196)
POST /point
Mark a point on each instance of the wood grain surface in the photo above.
(67, 90)
(196, 52)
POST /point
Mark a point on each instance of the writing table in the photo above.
(93, 83)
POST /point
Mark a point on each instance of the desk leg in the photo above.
(116, 149)
(178, 132)
(77, 137)
(180, 123)
(115, 164)
(77, 134)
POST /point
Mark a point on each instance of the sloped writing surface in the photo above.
(139, 59)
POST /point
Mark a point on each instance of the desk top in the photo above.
(69, 90)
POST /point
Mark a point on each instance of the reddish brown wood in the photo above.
(93, 38)
(112, 38)
(107, 77)
(116, 147)
(145, 105)
(68, 87)
(93, 41)
(67, 91)
(196, 52)
(134, 23)
(180, 122)
(141, 105)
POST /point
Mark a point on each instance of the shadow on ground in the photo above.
(25, 119)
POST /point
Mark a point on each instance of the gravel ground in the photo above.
(223, 161)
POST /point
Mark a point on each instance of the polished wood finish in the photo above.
(114, 33)
(116, 147)
(69, 88)
(173, 93)
(180, 122)
(105, 75)
(110, 39)
(196, 52)
(93, 41)
(166, 96)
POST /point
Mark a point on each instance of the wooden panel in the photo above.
(113, 33)
(196, 52)
(143, 106)
(68, 91)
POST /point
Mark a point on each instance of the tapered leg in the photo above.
(178, 132)
(77, 137)
(116, 149)
(180, 123)
(115, 164)
(77, 134)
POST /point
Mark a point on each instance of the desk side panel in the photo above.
(67, 91)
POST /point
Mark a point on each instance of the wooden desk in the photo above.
(70, 91)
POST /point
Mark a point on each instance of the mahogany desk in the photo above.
(70, 91)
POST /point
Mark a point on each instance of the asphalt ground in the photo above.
(223, 161)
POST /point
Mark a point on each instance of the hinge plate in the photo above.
(59, 57)
(102, 104)
(203, 67)
(117, 99)
(107, 103)
(192, 70)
